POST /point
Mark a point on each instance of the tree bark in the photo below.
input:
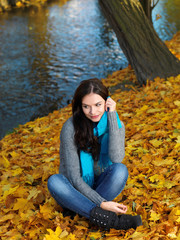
(146, 4)
(144, 50)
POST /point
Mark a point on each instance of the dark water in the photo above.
(46, 52)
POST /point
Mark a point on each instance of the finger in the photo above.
(123, 207)
(121, 211)
(107, 106)
(111, 105)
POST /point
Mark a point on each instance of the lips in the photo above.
(95, 117)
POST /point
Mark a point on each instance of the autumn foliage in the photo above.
(31, 154)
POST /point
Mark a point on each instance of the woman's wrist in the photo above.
(102, 204)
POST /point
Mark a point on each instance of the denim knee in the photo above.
(54, 183)
(121, 172)
(51, 181)
(67, 196)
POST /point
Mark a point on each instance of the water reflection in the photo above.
(169, 22)
(46, 53)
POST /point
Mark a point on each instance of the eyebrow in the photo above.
(94, 104)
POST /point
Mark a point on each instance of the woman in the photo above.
(91, 174)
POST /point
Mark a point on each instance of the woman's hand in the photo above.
(114, 207)
(110, 105)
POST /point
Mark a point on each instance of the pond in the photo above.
(46, 52)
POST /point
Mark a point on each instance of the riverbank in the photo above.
(43, 59)
(7, 5)
(31, 154)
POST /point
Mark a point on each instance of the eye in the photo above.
(98, 104)
(85, 106)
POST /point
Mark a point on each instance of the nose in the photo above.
(92, 110)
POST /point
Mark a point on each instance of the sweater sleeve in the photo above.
(71, 163)
(116, 139)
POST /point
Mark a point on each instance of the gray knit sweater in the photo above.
(69, 158)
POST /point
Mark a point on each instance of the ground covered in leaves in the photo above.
(31, 154)
(15, 4)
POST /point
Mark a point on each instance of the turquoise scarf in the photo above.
(87, 162)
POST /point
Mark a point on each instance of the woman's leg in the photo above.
(109, 184)
(112, 181)
(67, 196)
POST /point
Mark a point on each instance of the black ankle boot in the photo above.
(107, 219)
(68, 213)
(127, 221)
(103, 218)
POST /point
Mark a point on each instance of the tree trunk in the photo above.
(146, 53)
(146, 4)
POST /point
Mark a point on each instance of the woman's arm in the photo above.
(116, 139)
(116, 134)
(69, 160)
(116, 150)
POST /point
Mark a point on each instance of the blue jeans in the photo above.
(108, 184)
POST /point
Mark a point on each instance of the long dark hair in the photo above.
(84, 137)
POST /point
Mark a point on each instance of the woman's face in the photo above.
(93, 106)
